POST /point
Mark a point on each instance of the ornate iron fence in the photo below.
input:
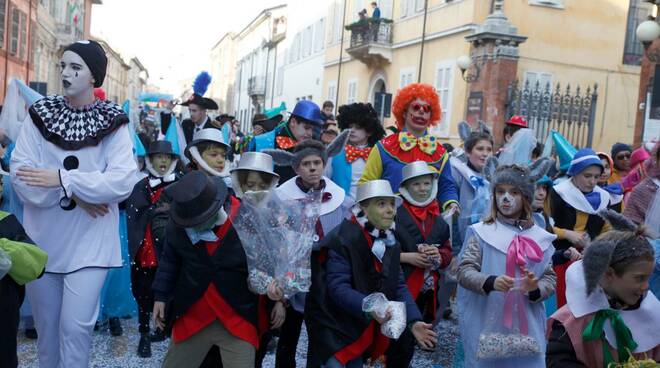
(571, 112)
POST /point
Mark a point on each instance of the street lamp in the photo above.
(649, 31)
(464, 63)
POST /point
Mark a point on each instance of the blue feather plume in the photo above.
(201, 83)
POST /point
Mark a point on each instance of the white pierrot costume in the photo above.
(106, 174)
(494, 241)
(92, 149)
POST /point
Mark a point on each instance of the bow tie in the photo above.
(426, 144)
(285, 142)
(197, 236)
(353, 153)
(477, 181)
(154, 182)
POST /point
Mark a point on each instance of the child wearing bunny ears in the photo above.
(490, 265)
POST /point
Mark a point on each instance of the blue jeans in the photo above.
(334, 363)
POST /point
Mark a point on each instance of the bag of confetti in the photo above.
(378, 304)
(505, 334)
(5, 263)
(277, 236)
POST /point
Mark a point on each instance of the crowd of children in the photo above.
(397, 219)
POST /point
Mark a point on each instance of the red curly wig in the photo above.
(410, 93)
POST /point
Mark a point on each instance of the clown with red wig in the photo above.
(416, 108)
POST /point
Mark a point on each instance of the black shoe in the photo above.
(115, 327)
(158, 335)
(31, 333)
(144, 348)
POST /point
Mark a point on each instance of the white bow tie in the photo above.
(154, 182)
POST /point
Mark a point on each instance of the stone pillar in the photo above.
(495, 65)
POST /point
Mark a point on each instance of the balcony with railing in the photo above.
(256, 86)
(371, 41)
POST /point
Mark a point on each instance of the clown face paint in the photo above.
(358, 136)
(420, 188)
(418, 116)
(161, 162)
(509, 200)
(380, 212)
(77, 79)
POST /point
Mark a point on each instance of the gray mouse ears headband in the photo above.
(309, 147)
(609, 249)
(465, 130)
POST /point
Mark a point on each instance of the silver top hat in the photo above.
(416, 169)
(256, 161)
(376, 188)
(206, 135)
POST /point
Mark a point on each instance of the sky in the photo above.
(172, 38)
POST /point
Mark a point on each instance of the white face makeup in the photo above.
(77, 79)
(509, 200)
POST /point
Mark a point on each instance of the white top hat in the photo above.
(374, 189)
(416, 169)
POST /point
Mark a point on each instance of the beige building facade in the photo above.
(223, 71)
(568, 42)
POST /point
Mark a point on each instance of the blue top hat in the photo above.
(309, 111)
(584, 158)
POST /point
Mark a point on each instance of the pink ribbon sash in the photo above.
(521, 251)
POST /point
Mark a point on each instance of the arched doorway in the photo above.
(379, 97)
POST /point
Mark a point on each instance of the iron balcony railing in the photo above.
(371, 32)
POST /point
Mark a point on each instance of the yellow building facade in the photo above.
(568, 42)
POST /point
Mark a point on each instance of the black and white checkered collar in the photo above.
(73, 128)
(363, 221)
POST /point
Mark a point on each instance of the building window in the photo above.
(338, 22)
(23, 45)
(3, 19)
(406, 76)
(419, 5)
(319, 35)
(307, 41)
(542, 78)
(15, 26)
(633, 49)
(444, 80)
(332, 92)
(352, 91)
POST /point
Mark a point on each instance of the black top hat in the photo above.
(224, 117)
(161, 147)
(267, 123)
(196, 198)
(203, 102)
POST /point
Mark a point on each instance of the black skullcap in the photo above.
(94, 56)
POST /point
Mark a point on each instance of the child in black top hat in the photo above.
(203, 273)
(146, 219)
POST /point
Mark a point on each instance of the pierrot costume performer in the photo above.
(419, 223)
(203, 273)
(575, 211)
(346, 168)
(72, 165)
(416, 108)
(504, 247)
